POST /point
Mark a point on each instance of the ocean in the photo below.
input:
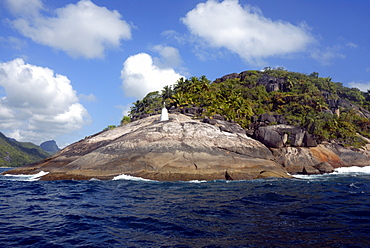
(308, 211)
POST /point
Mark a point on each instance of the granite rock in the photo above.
(178, 149)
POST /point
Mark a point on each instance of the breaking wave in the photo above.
(341, 171)
(21, 177)
(352, 169)
(128, 177)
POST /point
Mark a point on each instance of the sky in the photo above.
(68, 69)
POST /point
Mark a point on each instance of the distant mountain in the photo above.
(14, 153)
(50, 146)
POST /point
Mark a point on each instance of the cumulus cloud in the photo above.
(38, 104)
(140, 75)
(361, 86)
(25, 8)
(82, 29)
(245, 31)
(170, 56)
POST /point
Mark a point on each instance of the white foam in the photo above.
(128, 177)
(352, 169)
(94, 179)
(22, 177)
(308, 176)
(196, 181)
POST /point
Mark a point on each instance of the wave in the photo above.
(128, 177)
(196, 181)
(344, 171)
(22, 177)
(352, 169)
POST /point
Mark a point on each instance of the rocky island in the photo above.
(254, 124)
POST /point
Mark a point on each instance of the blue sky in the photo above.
(68, 69)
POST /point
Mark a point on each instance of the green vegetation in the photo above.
(14, 153)
(109, 127)
(308, 101)
(125, 120)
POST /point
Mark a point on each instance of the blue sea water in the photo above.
(313, 211)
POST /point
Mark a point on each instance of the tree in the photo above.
(314, 74)
(109, 127)
(125, 120)
(304, 102)
(167, 92)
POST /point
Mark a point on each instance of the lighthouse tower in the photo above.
(164, 113)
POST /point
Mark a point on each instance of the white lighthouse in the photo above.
(164, 113)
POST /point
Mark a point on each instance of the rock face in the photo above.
(272, 83)
(177, 149)
(277, 136)
(320, 159)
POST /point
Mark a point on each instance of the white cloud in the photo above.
(82, 29)
(361, 86)
(87, 98)
(25, 8)
(352, 45)
(326, 56)
(125, 109)
(172, 34)
(170, 56)
(38, 104)
(12, 42)
(140, 76)
(245, 31)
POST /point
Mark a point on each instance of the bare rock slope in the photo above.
(177, 149)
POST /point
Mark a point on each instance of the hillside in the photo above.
(326, 110)
(14, 153)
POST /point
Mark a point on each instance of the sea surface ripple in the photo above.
(317, 211)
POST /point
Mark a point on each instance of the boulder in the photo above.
(270, 137)
(323, 153)
(336, 104)
(272, 83)
(310, 170)
(267, 174)
(278, 136)
(324, 167)
(177, 149)
(227, 77)
(192, 111)
(348, 156)
(226, 126)
(266, 119)
(323, 158)
(295, 159)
